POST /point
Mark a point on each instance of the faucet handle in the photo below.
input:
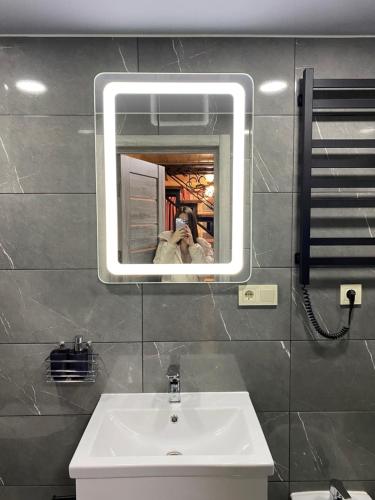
(337, 490)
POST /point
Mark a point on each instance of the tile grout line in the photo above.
(291, 272)
(174, 341)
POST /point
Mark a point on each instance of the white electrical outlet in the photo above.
(257, 295)
(344, 301)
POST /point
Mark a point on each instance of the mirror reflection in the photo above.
(170, 218)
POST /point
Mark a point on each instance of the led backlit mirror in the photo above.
(174, 177)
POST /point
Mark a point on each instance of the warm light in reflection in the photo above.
(31, 87)
(209, 191)
(273, 86)
(209, 177)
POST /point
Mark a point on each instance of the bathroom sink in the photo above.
(144, 435)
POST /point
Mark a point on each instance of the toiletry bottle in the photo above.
(78, 359)
(58, 365)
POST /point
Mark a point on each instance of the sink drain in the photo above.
(173, 453)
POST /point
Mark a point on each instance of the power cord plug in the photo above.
(351, 297)
(315, 323)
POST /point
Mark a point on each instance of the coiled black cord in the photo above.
(315, 323)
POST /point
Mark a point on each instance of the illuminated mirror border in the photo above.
(174, 84)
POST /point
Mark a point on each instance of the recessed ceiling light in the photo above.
(31, 87)
(273, 86)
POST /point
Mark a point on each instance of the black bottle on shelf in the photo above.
(58, 362)
(78, 359)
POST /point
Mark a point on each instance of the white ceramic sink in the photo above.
(133, 435)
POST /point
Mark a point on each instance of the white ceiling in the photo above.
(188, 17)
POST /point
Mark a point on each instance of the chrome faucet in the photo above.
(337, 490)
(173, 375)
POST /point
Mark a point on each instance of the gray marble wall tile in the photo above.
(324, 293)
(24, 390)
(336, 57)
(264, 59)
(336, 223)
(34, 492)
(273, 154)
(341, 375)
(272, 228)
(344, 129)
(276, 490)
(37, 450)
(219, 345)
(66, 66)
(47, 231)
(276, 430)
(47, 154)
(211, 312)
(326, 445)
(262, 368)
(49, 306)
(339, 129)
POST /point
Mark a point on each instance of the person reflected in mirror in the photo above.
(183, 245)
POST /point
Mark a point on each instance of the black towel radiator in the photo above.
(333, 99)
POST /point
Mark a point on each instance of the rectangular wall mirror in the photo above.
(174, 177)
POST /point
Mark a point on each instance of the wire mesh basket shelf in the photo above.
(68, 370)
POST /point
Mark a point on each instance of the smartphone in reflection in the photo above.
(180, 223)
